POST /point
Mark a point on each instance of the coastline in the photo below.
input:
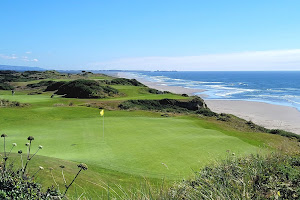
(264, 114)
(162, 86)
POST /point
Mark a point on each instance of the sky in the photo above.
(151, 34)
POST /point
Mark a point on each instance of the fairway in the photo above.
(135, 143)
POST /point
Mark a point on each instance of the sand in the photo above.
(264, 114)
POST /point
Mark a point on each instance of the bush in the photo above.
(284, 133)
(206, 112)
(125, 81)
(7, 103)
(6, 72)
(167, 105)
(13, 76)
(40, 84)
(34, 93)
(85, 89)
(155, 91)
(17, 183)
(55, 85)
(6, 86)
(13, 186)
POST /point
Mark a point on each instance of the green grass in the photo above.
(128, 92)
(135, 142)
(100, 77)
(136, 92)
(135, 145)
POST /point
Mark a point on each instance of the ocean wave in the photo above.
(219, 86)
(290, 89)
(233, 91)
(294, 99)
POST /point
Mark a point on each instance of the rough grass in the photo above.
(273, 176)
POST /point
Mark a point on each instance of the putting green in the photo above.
(136, 143)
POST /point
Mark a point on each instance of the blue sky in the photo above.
(151, 35)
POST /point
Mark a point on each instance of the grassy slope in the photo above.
(135, 143)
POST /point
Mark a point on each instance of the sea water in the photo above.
(276, 87)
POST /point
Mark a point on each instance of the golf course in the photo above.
(124, 149)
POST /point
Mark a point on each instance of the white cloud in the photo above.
(28, 52)
(26, 59)
(12, 57)
(16, 58)
(254, 60)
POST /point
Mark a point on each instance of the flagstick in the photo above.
(103, 125)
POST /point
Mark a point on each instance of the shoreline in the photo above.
(162, 86)
(268, 115)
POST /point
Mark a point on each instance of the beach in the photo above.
(264, 114)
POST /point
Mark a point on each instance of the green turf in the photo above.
(127, 92)
(136, 144)
(134, 92)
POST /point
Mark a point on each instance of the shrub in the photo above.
(206, 112)
(16, 183)
(12, 76)
(168, 105)
(6, 86)
(34, 93)
(284, 133)
(13, 186)
(40, 84)
(223, 117)
(85, 89)
(54, 86)
(7, 103)
(125, 81)
(155, 91)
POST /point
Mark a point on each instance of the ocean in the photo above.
(280, 88)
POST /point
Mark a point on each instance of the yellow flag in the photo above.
(102, 112)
